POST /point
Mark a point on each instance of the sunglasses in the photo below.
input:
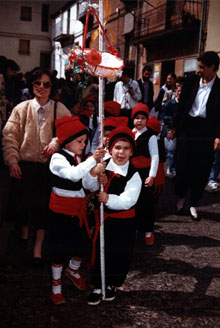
(46, 85)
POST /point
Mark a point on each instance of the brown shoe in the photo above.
(57, 298)
(78, 282)
(149, 241)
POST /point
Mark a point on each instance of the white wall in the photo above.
(213, 27)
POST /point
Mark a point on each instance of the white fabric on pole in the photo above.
(101, 116)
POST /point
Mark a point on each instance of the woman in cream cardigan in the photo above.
(28, 143)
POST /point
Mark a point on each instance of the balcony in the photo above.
(173, 16)
(60, 34)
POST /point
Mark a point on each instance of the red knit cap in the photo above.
(140, 108)
(122, 132)
(69, 128)
(112, 122)
(86, 112)
(89, 98)
(112, 107)
(154, 124)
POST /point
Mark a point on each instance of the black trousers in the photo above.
(66, 238)
(119, 244)
(144, 208)
(194, 157)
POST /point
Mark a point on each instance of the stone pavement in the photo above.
(175, 283)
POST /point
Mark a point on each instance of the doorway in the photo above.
(167, 67)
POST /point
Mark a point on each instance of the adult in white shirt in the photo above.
(127, 93)
(198, 131)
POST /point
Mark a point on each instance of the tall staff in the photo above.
(101, 117)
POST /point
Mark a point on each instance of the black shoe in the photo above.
(110, 294)
(195, 218)
(37, 263)
(94, 299)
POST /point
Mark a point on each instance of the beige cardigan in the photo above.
(23, 139)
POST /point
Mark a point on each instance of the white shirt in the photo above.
(199, 105)
(129, 196)
(37, 105)
(124, 98)
(153, 150)
(63, 169)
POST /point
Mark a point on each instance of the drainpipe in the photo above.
(201, 28)
(138, 35)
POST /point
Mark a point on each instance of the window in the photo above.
(190, 66)
(26, 13)
(45, 59)
(24, 47)
(45, 18)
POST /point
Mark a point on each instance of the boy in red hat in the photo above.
(68, 228)
(110, 124)
(146, 159)
(112, 108)
(120, 194)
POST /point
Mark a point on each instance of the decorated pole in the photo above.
(101, 117)
(100, 64)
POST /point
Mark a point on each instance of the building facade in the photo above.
(166, 34)
(25, 32)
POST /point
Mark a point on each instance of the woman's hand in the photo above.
(15, 171)
(48, 150)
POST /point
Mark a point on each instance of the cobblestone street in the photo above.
(175, 283)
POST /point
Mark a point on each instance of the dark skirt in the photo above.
(29, 196)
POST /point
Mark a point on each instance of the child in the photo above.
(68, 229)
(119, 197)
(159, 181)
(112, 108)
(110, 124)
(146, 159)
(170, 145)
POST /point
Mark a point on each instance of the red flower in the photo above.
(112, 50)
(93, 57)
(72, 57)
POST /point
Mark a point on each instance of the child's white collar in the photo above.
(119, 169)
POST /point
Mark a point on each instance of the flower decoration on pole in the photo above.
(92, 61)
(93, 57)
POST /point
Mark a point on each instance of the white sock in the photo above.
(193, 211)
(97, 291)
(56, 275)
(148, 234)
(74, 265)
(56, 272)
(56, 289)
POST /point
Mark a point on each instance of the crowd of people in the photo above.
(50, 142)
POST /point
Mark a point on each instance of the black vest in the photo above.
(142, 144)
(118, 184)
(62, 183)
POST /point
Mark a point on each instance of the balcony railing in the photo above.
(170, 15)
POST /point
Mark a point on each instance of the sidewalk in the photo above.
(175, 283)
